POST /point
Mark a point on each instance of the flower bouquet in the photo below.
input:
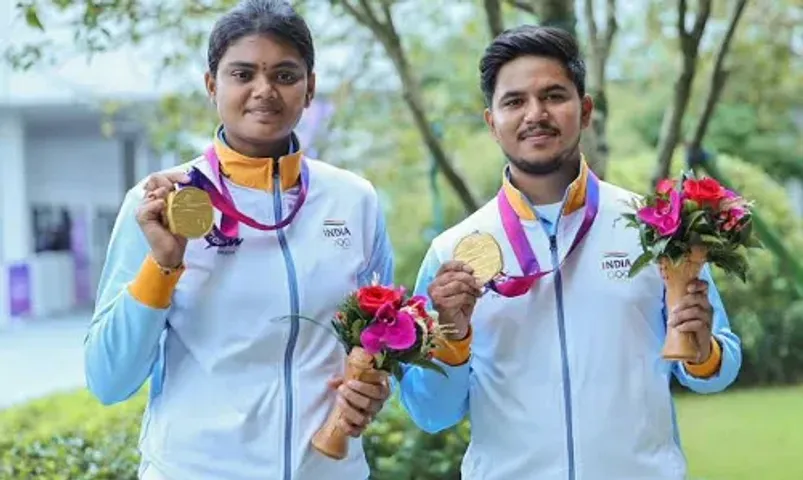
(683, 225)
(381, 329)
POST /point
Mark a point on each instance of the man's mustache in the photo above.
(541, 128)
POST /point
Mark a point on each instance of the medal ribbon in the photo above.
(514, 286)
(222, 200)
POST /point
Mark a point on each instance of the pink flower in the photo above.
(664, 216)
(730, 224)
(390, 329)
(419, 305)
(734, 205)
(665, 186)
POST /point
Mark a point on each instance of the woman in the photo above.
(238, 384)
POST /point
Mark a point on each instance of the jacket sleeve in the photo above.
(434, 402)
(722, 367)
(127, 330)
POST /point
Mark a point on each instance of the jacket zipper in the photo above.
(567, 386)
(292, 282)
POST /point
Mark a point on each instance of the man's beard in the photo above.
(543, 168)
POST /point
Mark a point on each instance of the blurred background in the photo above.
(94, 95)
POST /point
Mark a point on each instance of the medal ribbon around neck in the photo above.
(514, 286)
(222, 199)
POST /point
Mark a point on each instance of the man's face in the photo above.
(261, 89)
(536, 114)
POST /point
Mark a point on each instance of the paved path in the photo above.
(41, 356)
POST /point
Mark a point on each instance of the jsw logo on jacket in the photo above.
(238, 377)
(567, 382)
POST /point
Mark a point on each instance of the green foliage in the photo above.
(754, 118)
(648, 125)
(73, 456)
(737, 129)
(73, 437)
(70, 437)
(61, 446)
(398, 450)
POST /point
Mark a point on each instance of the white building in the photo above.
(61, 183)
(61, 178)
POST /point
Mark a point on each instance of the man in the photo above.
(565, 380)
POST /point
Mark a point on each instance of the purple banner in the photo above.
(19, 290)
(79, 243)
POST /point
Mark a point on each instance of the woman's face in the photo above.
(261, 89)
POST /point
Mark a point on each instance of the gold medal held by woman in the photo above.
(482, 253)
(189, 212)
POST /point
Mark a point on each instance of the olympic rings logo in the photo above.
(617, 274)
(343, 242)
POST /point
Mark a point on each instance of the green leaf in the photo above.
(693, 218)
(630, 220)
(690, 206)
(738, 266)
(659, 246)
(703, 225)
(645, 243)
(747, 238)
(356, 329)
(32, 18)
(711, 240)
(379, 360)
(753, 242)
(733, 261)
(397, 371)
(642, 261)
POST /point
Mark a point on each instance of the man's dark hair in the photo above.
(550, 42)
(260, 17)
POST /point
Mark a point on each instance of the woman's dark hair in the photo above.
(260, 17)
(550, 42)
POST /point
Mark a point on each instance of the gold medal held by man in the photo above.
(482, 253)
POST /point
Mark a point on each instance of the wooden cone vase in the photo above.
(681, 346)
(330, 439)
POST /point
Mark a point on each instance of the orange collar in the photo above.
(575, 196)
(257, 173)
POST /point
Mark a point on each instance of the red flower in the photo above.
(706, 191)
(372, 298)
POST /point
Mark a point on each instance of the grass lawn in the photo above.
(738, 435)
(743, 435)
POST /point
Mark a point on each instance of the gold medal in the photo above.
(189, 212)
(482, 253)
